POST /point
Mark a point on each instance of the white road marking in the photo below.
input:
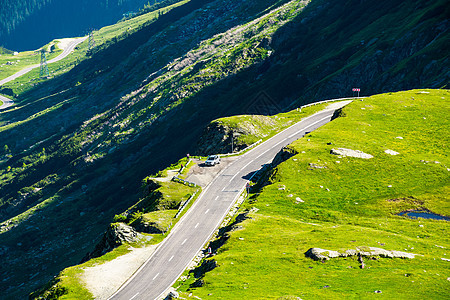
(197, 225)
(155, 276)
(262, 154)
(278, 143)
(245, 166)
(216, 198)
(310, 125)
(171, 258)
(184, 242)
(134, 296)
(206, 211)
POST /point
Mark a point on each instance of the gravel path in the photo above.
(103, 280)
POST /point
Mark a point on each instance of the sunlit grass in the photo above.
(352, 202)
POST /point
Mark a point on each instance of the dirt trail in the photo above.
(67, 45)
(105, 279)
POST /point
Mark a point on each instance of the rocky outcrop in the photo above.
(206, 266)
(285, 153)
(322, 254)
(143, 225)
(350, 153)
(116, 235)
(218, 137)
(391, 152)
(313, 166)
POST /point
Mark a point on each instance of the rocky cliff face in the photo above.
(220, 138)
(116, 235)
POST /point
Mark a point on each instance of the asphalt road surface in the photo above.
(8, 102)
(196, 227)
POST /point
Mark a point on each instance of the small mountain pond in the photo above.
(423, 214)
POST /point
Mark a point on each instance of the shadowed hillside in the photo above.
(28, 24)
(141, 101)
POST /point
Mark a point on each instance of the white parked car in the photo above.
(212, 160)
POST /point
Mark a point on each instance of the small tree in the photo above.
(6, 149)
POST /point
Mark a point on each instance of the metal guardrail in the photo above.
(330, 100)
(184, 204)
(185, 182)
(307, 105)
(184, 167)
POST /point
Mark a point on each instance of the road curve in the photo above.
(70, 47)
(196, 227)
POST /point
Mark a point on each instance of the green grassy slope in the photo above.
(247, 130)
(352, 202)
(134, 106)
(159, 207)
(103, 38)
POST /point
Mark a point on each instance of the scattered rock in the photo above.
(298, 200)
(378, 292)
(290, 195)
(116, 235)
(282, 188)
(350, 153)
(172, 295)
(322, 254)
(399, 137)
(391, 152)
(315, 166)
(446, 259)
(254, 210)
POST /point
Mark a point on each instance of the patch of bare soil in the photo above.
(105, 279)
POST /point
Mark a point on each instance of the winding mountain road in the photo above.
(196, 227)
(67, 50)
